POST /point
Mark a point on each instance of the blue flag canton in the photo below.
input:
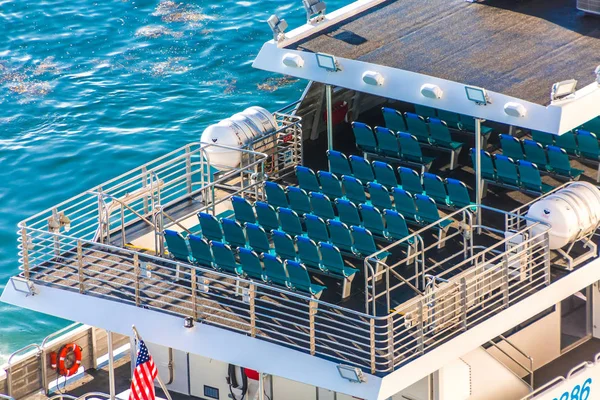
(143, 355)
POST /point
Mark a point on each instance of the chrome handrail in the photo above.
(10, 365)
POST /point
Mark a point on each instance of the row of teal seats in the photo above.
(552, 159)
(504, 171)
(579, 143)
(450, 193)
(221, 257)
(452, 119)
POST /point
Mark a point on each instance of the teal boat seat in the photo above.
(244, 212)
(338, 163)
(511, 147)
(410, 180)
(384, 174)
(176, 245)
(276, 195)
(440, 134)
(284, 245)
(568, 142)
(388, 141)
(347, 212)
(299, 280)
(488, 170)
(354, 189)
(560, 164)
(257, 238)
(373, 220)
(394, 119)
(365, 137)
(417, 127)
(588, 145)
(266, 215)
(396, 224)
(299, 200)
(290, 222)
(506, 170)
(545, 139)
(404, 203)
(316, 228)
(210, 226)
(234, 232)
(427, 210)
(411, 150)
(452, 119)
(307, 179)
(201, 252)
(321, 205)
(332, 261)
(468, 124)
(364, 244)
(530, 177)
(361, 169)
(380, 196)
(330, 184)
(308, 252)
(435, 188)
(340, 235)
(274, 270)
(425, 111)
(224, 258)
(592, 125)
(250, 264)
(458, 193)
(535, 153)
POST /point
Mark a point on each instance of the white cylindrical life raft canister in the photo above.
(572, 212)
(236, 132)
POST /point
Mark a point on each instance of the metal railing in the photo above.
(10, 363)
(527, 368)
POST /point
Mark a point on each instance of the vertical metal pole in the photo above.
(328, 96)
(261, 386)
(111, 366)
(478, 181)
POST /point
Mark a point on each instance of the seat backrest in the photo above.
(535, 153)
(545, 139)
(354, 189)
(380, 196)
(427, 210)
(439, 131)
(417, 126)
(307, 179)
(331, 258)
(384, 174)
(177, 245)
(330, 184)
(410, 147)
(425, 111)
(404, 203)
(435, 187)
(274, 270)
(348, 212)
(299, 200)
(592, 125)
(506, 169)
(316, 228)
(588, 144)
(458, 193)
(450, 118)
(511, 147)
(234, 233)
(298, 276)
(201, 251)
(567, 141)
(266, 215)
(338, 163)
(284, 245)
(211, 228)
(244, 212)
(224, 257)
(364, 135)
(388, 141)
(308, 252)
(257, 238)
(364, 243)
(250, 263)
(559, 160)
(321, 205)
(529, 176)
(410, 180)
(488, 169)
(276, 195)
(394, 119)
(372, 219)
(290, 222)
(396, 224)
(340, 235)
(361, 169)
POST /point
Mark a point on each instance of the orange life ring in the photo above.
(69, 359)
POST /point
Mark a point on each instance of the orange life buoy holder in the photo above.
(69, 359)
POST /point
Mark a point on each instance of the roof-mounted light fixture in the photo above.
(432, 91)
(278, 26)
(315, 10)
(597, 72)
(561, 90)
(514, 109)
(293, 60)
(23, 286)
(477, 95)
(327, 62)
(373, 78)
(353, 374)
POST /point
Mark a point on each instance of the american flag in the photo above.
(142, 383)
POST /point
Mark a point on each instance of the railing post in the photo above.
(136, 269)
(188, 169)
(251, 299)
(311, 320)
(80, 265)
(25, 250)
(463, 302)
(390, 340)
(421, 339)
(144, 185)
(194, 296)
(372, 335)
(505, 288)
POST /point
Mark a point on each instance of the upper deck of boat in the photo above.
(518, 48)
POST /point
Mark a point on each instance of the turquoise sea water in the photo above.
(90, 89)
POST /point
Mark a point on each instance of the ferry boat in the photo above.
(421, 224)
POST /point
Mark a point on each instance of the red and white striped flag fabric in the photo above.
(142, 382)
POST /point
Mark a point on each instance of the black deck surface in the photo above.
(518, 48)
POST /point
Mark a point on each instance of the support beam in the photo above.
(111, 366)
(478, 181)
(328, 96)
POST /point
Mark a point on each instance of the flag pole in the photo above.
(160, 382)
